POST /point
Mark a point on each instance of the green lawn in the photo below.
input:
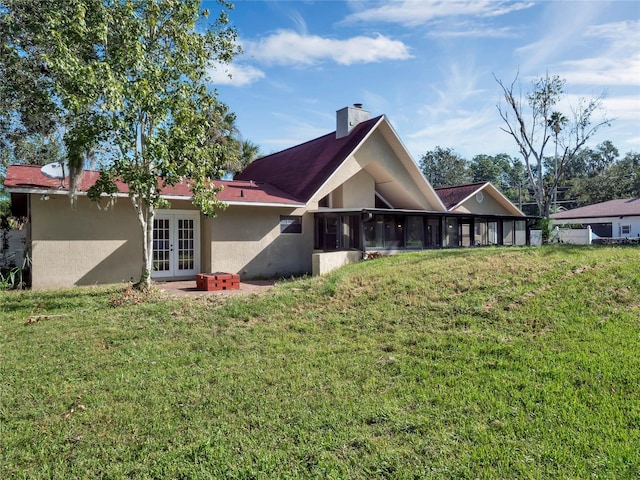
(479, 363)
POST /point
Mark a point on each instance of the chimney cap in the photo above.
(357, 105)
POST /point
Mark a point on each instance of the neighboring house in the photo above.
(307, 209)
(487, 225)
(612, 219)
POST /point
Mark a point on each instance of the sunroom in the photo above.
(386, 231)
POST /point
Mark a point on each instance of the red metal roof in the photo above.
(452, 196)
(612, 208)
(301, 170)
(29, 177)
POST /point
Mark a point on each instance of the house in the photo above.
(494, 220)
(307, 209)
(613, 219)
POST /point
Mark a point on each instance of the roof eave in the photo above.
(49, 191)
(264, 204)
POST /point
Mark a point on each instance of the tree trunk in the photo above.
(146, 214)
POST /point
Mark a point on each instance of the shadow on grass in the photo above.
(53, 300)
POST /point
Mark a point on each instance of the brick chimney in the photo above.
(348, 117)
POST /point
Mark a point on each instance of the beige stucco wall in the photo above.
(488, 206)
(356, 192)
(325, 262)
(247, 240)
(83, 245)
(359, 191)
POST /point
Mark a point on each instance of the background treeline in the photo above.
(594, 175)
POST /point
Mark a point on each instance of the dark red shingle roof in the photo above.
(452, 196)
(301, 170)
(30, 177)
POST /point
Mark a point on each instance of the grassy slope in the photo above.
(480, 363)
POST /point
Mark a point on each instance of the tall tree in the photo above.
(443, 167)
(505, 172)
(618, 179)
(51, 78)
(249, 151)
(491, 168)
(533, 131)
(133, 72)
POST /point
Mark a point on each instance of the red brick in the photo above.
(217, 281)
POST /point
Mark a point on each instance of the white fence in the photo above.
(574, 236)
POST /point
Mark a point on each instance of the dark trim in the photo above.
(368, 214)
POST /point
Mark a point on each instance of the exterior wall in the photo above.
(83, 245)
(247, 240)
(334, 184)
(357, 192)
(616, 224)
(488, 206)
(324, 262)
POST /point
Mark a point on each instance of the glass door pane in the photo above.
(161, 245)
(176, 247)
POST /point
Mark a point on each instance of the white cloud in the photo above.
(617, 61)
(234, 74)
(604, 70)
(622, 107)
(470, 132)
(287, 47)
(418, 12)
(593, 48)
(622, 35)
(295, 128)
(475, 31)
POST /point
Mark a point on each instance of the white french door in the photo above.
(176, 243)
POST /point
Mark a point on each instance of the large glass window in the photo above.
(465, 233)
(335, 232)
(432, 228)
(480, 232)
(507, 232)
(415, 232)
(393, 231)
(374, 232)
(350, 226)
(521, 232)
(492, 233)
(486, 232)
(451, 232)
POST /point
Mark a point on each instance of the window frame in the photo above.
(291, 224)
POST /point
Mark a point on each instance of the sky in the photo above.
(429, 66)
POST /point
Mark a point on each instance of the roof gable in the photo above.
(303, 169)
(457, 197)
(453, 196)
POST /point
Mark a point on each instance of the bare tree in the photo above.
(532, 130)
